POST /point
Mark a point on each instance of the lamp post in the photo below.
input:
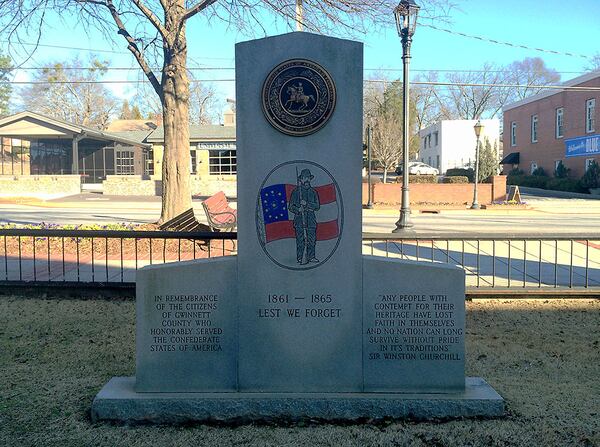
(478, 128)
(369, 185)
(406, 21)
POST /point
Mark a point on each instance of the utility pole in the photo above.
(299, 16)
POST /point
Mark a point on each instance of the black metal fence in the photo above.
(503, 261)
(562, 262)
(99, 257)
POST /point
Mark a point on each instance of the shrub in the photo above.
(561, 170)
(419, 179)
(456, 179)
(539, 172)
(461, 172)
(591, 178)
(543, 182)
(531, 181)
(565, 184)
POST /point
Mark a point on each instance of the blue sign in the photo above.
(576, 147)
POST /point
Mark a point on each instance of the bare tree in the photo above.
(387, 141)
(594, 63)
(203, 101)
(71, 95)
(483, 92)
(155, 31)
(373, 91)
(5, 88)
(385, 117)
(475, 94)
(532, 73)
(426, 101)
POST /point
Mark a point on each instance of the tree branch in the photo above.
(132, 47)
(193, 10)
(151, 17)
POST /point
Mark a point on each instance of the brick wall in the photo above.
(135, 185)
(549, 148)
(440, 193)
(130, 185)
(209, 185)
(40, 186)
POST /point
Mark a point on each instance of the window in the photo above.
(435, 138)
(222, 162)
(193, 165)
(557, 164)
(14, 156)
(588, 163)
(429, 161)
(428, 140)
(437, 161)
(534, 129)
(425, 142)
(559, 122)
(533, 167)
(590, 112)
(125, 165)
(513, 134)
(150, 162)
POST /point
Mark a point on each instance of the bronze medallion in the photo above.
(298, 97)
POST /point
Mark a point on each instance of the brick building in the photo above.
(554, 126)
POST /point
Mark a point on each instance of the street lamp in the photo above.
(406, 21)
(478, 128)
(369, 167)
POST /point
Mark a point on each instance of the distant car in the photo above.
(418, 168)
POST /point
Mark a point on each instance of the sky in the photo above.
(565, 27)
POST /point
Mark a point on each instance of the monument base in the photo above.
(118, 402)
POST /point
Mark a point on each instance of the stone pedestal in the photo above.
(118, 402)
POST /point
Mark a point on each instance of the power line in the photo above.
(550, 87)
(31, 44)
(500, 42)
(436, 70)
(440, 84)
(92, 50)
(105, 82)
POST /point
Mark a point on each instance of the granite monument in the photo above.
(299, 324)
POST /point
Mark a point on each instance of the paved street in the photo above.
(499, 264)
(546, 216)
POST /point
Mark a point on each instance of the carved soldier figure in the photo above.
(304, 201)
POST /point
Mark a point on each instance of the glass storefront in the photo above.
(14, 156)
(54, 156)
(51, 156)
(96, 160)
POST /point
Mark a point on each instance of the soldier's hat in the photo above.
(306, 173)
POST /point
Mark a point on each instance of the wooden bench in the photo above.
(219, 214)
(186, 221)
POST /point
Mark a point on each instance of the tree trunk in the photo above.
(385, 175)
(176, 194)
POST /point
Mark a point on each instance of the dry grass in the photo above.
(543, 357)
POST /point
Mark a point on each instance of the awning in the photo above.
(511, 159)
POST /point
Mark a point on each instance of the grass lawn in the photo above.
(542, 356)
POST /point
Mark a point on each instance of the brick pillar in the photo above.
(498, 188)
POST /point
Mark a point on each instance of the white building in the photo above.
(450, 144)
